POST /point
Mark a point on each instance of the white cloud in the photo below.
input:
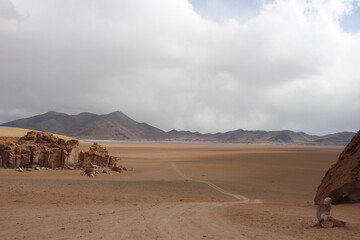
(290, 66)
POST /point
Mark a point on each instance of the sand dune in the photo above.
(178, 191)
(20, 132)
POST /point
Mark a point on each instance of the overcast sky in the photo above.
(199, 65)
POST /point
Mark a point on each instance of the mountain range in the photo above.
(118, 126)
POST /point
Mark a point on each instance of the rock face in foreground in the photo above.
(342, 181)
(42, 149)
(38, 149)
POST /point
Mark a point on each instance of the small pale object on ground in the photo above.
(90, 172)
(323, 215)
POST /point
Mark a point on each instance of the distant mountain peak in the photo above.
(116, 112)
(115, 125)
(118, 126)
(50, 112)
(53, 113)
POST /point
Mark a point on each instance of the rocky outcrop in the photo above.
(342, 181)
(38, 149)
(97, 155)
(42, 149)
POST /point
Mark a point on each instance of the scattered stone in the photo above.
(90, 172)
(20, 169)
(327, 224)
(113, 160)
(37, 168)
(117, 169)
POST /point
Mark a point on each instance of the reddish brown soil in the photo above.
(171, 195)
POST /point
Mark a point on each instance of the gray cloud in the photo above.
(290, 66)
(8, 11)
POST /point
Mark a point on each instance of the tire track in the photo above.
(239, 197)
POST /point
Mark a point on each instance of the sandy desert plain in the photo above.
(178, 191)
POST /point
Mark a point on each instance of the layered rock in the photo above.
(97, 155)
(42, 149)
(38, 149)
(46, 150)
(342, 181)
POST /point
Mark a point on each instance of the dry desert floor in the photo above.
(178, 191)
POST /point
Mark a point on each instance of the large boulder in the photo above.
(342, 181)
(97, 155)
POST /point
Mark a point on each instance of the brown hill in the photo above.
(115, 125)
(118, 126)
(19, 132)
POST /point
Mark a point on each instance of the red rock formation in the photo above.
(113, 161)
(342, 181)
(38, 149)
(46, 150)
(97, 155)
